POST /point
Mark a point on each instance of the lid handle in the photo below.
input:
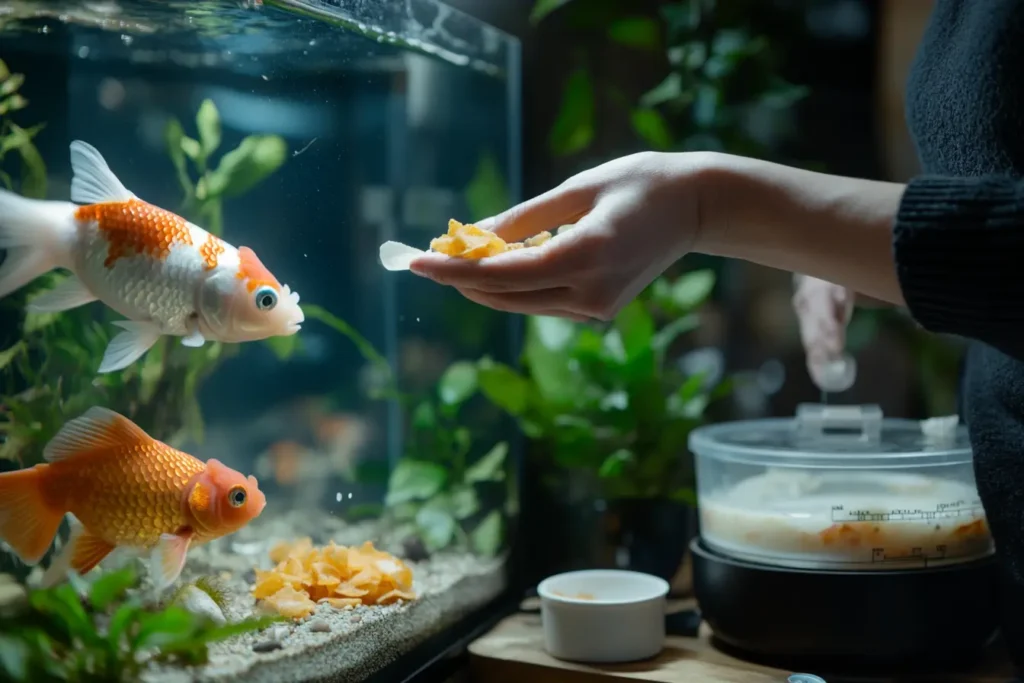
(845, 423)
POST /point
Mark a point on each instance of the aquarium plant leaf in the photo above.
(111, 587)
(573, 129)
(283, 347)
(693, 288)
(464, 502)
(208, 125)
(503, 386)
(542, 8)
(366, 349)
(164, 629)
(457, 383)
(491, 467)
(33, 168)
(192, 149)
(436, 525)
(173, 136)
(5, 71)
(241, 169)
(415, 480)
(664, 337)
(11, 84)
(487, 536)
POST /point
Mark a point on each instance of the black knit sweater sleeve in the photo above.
(959, 251)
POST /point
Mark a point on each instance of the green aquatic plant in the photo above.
(437, 491)
(254, 159)
(47, 377)
(101, 630)
(609, 402)
(17, 140)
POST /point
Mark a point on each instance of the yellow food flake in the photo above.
(341, 576)
(470, 242)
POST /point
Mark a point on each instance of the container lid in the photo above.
(843, 437)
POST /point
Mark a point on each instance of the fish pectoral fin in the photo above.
(169, 559)
(130, 345)
(71, 293)
(96, 429)
(93, 182)
(193, 339)
(88, 551)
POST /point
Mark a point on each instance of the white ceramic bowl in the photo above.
(603, 615)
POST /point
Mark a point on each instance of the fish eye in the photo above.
(266, 298)
(236, 497)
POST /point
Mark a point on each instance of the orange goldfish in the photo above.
(126, 489)
(164, 274)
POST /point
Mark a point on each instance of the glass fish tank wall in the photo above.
(233, 446)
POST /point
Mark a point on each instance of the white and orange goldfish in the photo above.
(164, 274)
(126, 490)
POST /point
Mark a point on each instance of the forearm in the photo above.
(830, 227)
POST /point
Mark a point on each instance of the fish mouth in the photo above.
(297, 317)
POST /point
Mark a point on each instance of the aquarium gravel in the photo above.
(331, 644)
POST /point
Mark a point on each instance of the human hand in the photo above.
(824, 311)
(634, 216)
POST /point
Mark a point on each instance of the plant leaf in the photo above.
(415, 480)
(464, 502)
(110, 587)
(542, 8)
(693, 288)
(457, 383)
(615, 464)
(191, 147)
(436, 525)
(638, 32)
(173, 136)
(503, 386)
(487, 536)
(651, 127)
(636, 328)
(664, 337)
(574, 125)
(241, 169)
(208, 125)
(10, 354)
(669, 89)
(491, 467)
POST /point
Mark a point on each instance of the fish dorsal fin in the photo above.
(97, 429)
(93, 182)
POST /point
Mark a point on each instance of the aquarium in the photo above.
(265, 455)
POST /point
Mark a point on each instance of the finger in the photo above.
(563, 205)
(523, 270)
(554, 301)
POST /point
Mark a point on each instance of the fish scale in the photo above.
(149, 481)
(139, 286)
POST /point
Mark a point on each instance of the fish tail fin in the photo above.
(37, 236)
(28, 524)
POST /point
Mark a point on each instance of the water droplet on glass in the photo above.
(417, 319)
(83, 52)
(337, 497)
(126, 39)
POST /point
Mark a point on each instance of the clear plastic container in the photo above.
(840, 487)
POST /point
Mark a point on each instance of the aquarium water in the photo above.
(309, 131)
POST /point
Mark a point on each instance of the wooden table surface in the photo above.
(513, 652)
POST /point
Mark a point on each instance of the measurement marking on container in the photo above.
(906, 514)
(916, 555)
